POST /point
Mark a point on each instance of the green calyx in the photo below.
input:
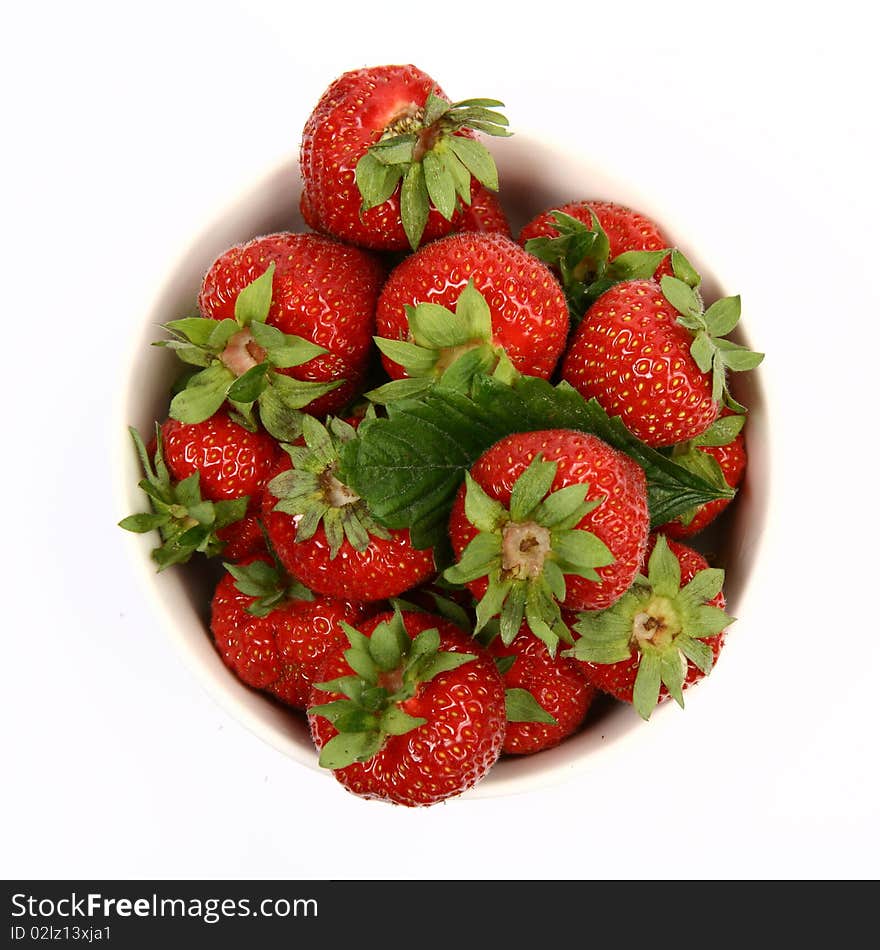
(269, 584)
(421, 152)
(313, 491)
(186, 522)
(710, 350)
(240, 360)
(666, 624)
(444, 346)
(581, 255)
(388, 666)
(689, 455)
(526, 551)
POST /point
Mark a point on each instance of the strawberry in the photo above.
(387, 161)
(410, 709)
(324, 534)
(203, 480)
(663, 635)
(271, 631)
(719, 453)
(296, 314)
(512, 308)
(651, 354)
(547, 697)
(544, 520)
(594, 245)
(484, 213)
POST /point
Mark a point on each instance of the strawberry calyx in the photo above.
(389, 667)
(581, 254)
(313, 491)
(269, 584)
(187, 523)
(526, 551)
(239, 360)
(422, 151)
(519, 704)
(711, 351)
(445, 346)
(659, 622)
(688, 455)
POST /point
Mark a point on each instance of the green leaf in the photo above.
(349, 747)
(635, 265)
(672, 674)
(477, 159)
(664, 569)
(414, 204)
(472, 307)
(388, 643)
(684, 270)
(722, 431)
(376, 181)
(704, 586)
(723, 315)
(485, 513)
(681, 296)
(279, 419)
(492, 601)
(564, 508)
(250, 384)
(699, 653)
(396, 722)
(434, 326)
(646, 689)
(409, 466)
(440, 185)
(196, 330)
(399, 389)
(204, 395)
(253, 302)
(521, 706)
(738, 358)
(581, 552)
(141, 523)
(477, 560)
(444, 662)
(703, 351)
(531, 487)
(415, 359)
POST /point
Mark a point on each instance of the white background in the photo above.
(128, 126)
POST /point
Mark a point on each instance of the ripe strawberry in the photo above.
(594, 245)
(387, 161)
(296, 316)
(203, 480)
(650, 354)
(484, 213)
(719, 454)
(663, 635)
(548, 519)
(272, 632)
(519, 308)
(547, 697)
(410, 710)
(323, 532)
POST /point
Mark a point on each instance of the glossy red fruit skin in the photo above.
(529, 314)
(631, 355)
(386, 568)
(453, 750)
(322, 291)
(242, 539)
(485, 213)
(350, 116)
(733, 459)
(231, 460)
(618, 679)
(621, 521)
(627, 229)
(282, 652)
(559, 685)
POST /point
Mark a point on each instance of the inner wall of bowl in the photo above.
(534, 178)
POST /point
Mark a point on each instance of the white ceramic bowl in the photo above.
(534, 177)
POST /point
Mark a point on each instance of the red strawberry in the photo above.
(548, 519)
(719, 453)
(243, 538)
(323, 532)
(273, 633)
(484, 213)
(594, 245)
(202, 480)
(410, 710)
(322, 291)
(649, 353)
(387, 161)
(547, 697)
(662, 635)
(519, 308)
